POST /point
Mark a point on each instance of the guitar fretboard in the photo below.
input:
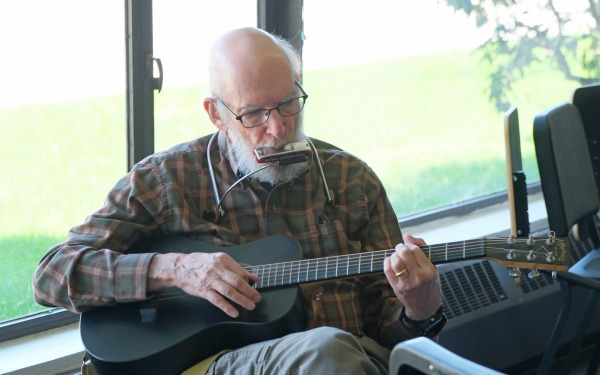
(309, 270)
(550, 254)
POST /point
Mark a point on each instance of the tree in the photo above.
(526, 31)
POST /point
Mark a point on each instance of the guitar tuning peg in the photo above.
(514, 272)
(551, 237)
(511, 240)
(530, 240)
(533, 274)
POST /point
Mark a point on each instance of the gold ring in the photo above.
(398, 274)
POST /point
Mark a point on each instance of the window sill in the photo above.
(53, 352)
(486, 221)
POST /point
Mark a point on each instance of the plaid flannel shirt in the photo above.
(168, 192)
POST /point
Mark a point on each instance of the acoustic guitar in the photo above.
(173, 331)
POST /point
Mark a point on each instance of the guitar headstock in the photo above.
(550, 254)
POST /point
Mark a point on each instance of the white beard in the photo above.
(243, 152)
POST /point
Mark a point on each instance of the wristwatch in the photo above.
(430, 327)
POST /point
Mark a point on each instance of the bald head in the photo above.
(248, 59)
(251, 73)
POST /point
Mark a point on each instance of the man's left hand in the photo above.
(414, 278)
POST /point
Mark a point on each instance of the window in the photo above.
(402, 85)
(63, 114)
(62, 124)
(178, 110)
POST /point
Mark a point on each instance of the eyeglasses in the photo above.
(260, 116)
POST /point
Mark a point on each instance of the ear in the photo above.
(210, 106)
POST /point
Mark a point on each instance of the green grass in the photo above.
(59, 160)
(423, 123)
(20, 254)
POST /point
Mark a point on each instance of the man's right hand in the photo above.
(215, 277)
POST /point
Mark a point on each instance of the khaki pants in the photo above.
(323, 350)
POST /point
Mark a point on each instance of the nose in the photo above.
(275, 125)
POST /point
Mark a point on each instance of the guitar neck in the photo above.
(340, 266)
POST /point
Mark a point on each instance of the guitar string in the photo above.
(354, 265)
(355, 261)
(276, 272)
(316, 269)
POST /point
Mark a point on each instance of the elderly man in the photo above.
(213, 189)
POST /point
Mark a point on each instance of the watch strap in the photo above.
(430, 327)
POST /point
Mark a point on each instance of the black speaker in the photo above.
(505, 323)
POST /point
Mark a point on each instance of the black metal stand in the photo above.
(568, 280)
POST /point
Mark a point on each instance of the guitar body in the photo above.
(187, 330)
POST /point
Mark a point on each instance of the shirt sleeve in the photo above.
(90, 267)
